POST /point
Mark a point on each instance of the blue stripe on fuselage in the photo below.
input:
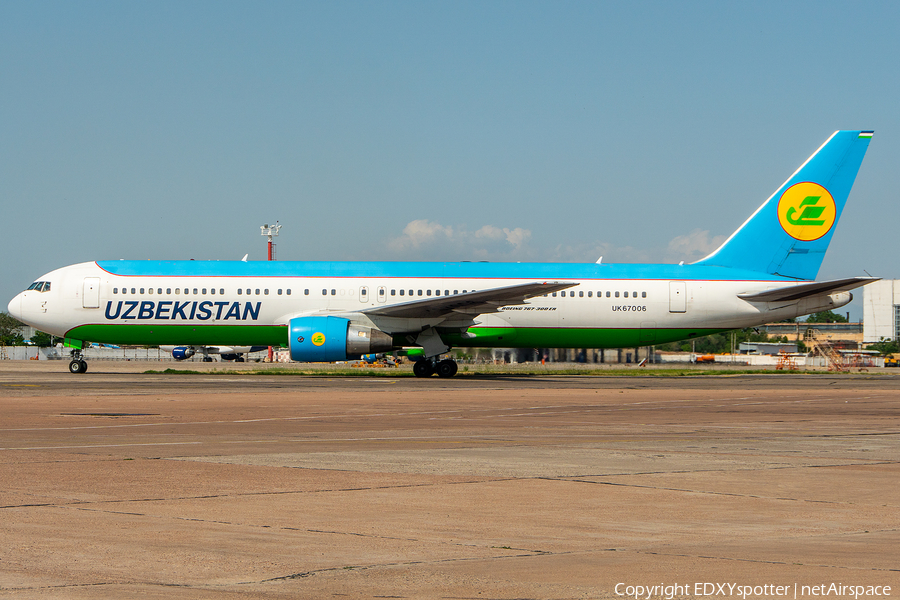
(463, 270)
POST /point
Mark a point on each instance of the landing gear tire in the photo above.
(447, 368)
(207, 359)
(78, 366)
(239, 359)
(423, 368)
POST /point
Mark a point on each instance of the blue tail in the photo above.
(789, 234)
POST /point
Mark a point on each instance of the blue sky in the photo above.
(545, 131)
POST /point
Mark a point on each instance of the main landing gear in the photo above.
(78, 364)
(428, 367)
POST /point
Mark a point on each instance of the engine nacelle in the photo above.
(327, 339)
(182, 352)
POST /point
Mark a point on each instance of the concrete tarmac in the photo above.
(120, 484)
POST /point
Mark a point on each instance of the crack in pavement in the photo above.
(768, 562)
(707, 492)
(76, 503)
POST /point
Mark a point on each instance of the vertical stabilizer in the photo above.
(789, 234)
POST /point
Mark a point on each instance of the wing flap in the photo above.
(482, 301)
(805, 290)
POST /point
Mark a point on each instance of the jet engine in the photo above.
(327, 339)
(182, 352)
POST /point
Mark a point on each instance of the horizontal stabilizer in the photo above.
(483, 301)
(805, 290)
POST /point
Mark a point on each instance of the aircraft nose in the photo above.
(15, 307)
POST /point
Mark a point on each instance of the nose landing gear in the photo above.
(78, 364)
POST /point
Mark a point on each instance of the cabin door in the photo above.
(677, 297)
(91, 296)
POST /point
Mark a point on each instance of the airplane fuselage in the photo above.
(247, 304)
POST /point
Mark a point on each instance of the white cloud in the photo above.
(431, 240)
(693, 246)
(420, 233)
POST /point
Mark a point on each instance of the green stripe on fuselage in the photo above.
(194, 335)
(548, 337)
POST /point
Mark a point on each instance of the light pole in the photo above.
(270, 232)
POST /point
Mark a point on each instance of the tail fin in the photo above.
(789, 234)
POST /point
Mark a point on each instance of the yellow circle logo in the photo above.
(806, 211)
(318, 339)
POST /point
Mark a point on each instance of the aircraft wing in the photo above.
(471, 303)
(804, 290)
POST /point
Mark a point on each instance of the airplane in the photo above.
(332, 311)
(226, 352)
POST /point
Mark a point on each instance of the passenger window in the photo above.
(590, 294)
(150, 291)
(142, 290)
(427, 294)
(159, 290)
(177, 291)
(306, 292)
(401, 292)
(634, 294)
(257, 291)
(554, 294)
(265, 292)
(581, 294)
(643, 294)
(410, 292)
(393, 292)
(455, 292)
(334, 292)
(381, 291)
(204, 291)
(212, 291)
(133, 291)
(279, 292)
(240, 291)
(324, 292)
(571, 294)
(446, 292)
(420, 292)
(195, 291)
(168, 290)
(115, 290)
(607, 295)
(289, 292)
(248, 292)
(626, 294)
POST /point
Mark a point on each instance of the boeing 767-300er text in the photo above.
(331, 311)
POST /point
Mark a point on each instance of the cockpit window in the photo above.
(40, 286)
